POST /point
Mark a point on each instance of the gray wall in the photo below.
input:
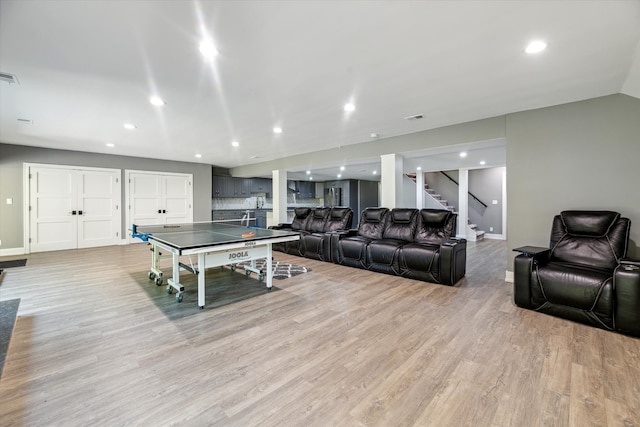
(480, 130)
(12, 158)
(486, 185)
(583, 155)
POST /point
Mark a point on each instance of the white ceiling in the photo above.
(87, 67)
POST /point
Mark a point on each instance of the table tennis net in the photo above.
(186, 227)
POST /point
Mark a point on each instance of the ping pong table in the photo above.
(214, 244)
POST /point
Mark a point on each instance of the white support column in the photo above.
(391, 180)
(279, 196)
(419, 189)
(463, 201)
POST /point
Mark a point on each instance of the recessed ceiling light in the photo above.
(341, 168)
(419, 168)
(277, 130)
(308, 172)
(157, 101)
(235, 143)
(339, 175)
(208, 50)
(482, 162)
(310, 178)
(374, 135)
(110, 145)
(536, 46)
(198, 156)
(129, 126)
(349, 107)
(463, 154)
(375, 172)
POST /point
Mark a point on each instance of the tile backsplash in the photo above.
(259, 202)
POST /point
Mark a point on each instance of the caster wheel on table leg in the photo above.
(159, 281)
(247, 273)
(233, 267)
(202, 307)
(179, 297)
(151, 275)
(169, 289)
(260, 277)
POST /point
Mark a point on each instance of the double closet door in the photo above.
(73, 207)
(158, 198)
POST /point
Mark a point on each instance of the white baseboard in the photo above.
(12, 251)
(494, 236)
(508, 277)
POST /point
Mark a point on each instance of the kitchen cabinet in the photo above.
(241, 187)
(227, 186)
(221, 186)
(261, 185)
(306, 189)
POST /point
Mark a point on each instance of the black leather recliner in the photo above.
(317, 242)
(300, 219)
(351, 248)
(314, 225)
(584, 276)
(435, 255)
(383, 254)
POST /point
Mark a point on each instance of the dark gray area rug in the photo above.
(8, 312)
(13, 263)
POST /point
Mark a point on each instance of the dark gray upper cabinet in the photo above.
(227, 186)
(306, 189)
(261, 185)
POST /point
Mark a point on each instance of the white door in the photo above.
(73, 208)
(158, 198)
(177, 200)
(145, 198)
(99, 215)
(52, 209)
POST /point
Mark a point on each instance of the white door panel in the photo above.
(99, 223)
(52, 201)
(176, 186)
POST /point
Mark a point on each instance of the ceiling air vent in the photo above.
(8, 78)
(415, 117)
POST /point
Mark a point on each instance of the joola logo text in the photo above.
(238, 255)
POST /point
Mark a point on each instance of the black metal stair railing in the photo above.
(469, 192)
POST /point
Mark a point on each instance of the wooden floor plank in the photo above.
(97, 343)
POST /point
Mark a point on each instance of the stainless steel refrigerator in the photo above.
(332, 197)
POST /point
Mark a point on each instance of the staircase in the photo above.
(479, 234)
(472, 232)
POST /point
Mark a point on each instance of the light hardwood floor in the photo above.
(96, 343)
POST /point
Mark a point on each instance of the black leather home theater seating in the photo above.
(418, 244)
(583, 275)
